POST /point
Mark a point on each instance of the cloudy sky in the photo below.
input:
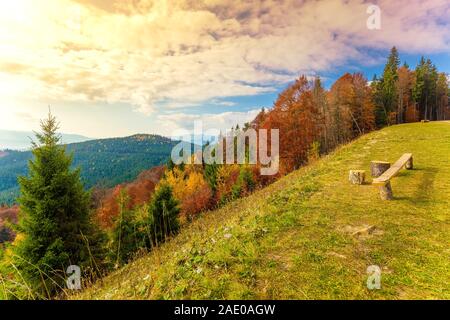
(118, 67)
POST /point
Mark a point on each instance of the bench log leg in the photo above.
(377, 168)
(409, 165)
(357, 176)
(386, 191)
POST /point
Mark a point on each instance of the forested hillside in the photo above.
(7, 215)
(105, 162)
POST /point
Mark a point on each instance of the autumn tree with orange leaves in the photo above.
(297, 117)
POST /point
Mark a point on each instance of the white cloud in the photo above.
(162, 54)
(171, 123)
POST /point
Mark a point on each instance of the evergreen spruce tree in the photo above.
(127, 236)
(210, 174)
(386, 92)
(425, 89)
(55, 224)
(210, 171)
(442, 96)
(170, 164)
(432, 86)
(320, 100)
(163, 214)
(419, 86)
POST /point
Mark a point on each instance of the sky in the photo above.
(119, 67)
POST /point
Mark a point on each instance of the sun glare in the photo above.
(16, 10)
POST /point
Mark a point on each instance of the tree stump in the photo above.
(409, 165)
(386, 192)
(377, 168)
(357, 176)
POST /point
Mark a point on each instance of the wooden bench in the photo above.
(384, 181)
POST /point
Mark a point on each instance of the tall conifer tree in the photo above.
(386, 91)
(55, 224)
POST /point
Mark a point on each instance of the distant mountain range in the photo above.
(104, 162)
(21, 140)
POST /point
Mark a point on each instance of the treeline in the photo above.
(405, 95)
(312, 119)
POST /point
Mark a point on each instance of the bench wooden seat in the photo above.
(383, 181)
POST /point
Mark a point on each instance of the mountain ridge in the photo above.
(21, 140)
(104, 162)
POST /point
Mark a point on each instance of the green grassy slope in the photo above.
(295, 239)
